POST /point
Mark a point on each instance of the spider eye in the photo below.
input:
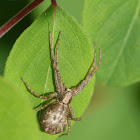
(68, 93)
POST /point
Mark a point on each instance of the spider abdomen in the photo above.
(54, 118)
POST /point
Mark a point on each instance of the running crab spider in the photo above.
(58, 112)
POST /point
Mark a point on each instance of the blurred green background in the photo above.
(113, 114)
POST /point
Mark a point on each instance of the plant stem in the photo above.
(54, 4)
(7, 26)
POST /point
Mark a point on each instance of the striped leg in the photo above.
(72, 113)
(69, 126)
(58, 82)
(52, 101)
(61, 85)
(37, 95)
(90, 74)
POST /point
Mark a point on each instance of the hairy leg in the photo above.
(58, 82)
(72, 113)
(90, 74)
(69, 125)
(37, 95)
(62, 87)
(50, 102)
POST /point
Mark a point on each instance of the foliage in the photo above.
(30, 58)
(115, 26)
(15, 123)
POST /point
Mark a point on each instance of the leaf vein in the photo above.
(126, 38)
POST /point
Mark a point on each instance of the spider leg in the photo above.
(37, 95)
(58, 82)
(50, 102)
(94, 60)
(69, 126)
(61, 85)
(99, 63)
(90, 73)
(72, 113)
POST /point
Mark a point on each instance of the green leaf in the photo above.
(30, 59)
(70, 6)
(115, 26)
(18, 121)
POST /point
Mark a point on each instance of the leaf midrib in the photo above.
(125, 39)
(49, 45)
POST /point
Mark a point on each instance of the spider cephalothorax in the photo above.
(58, 111)
(66, 97)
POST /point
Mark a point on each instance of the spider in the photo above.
(58, 112)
